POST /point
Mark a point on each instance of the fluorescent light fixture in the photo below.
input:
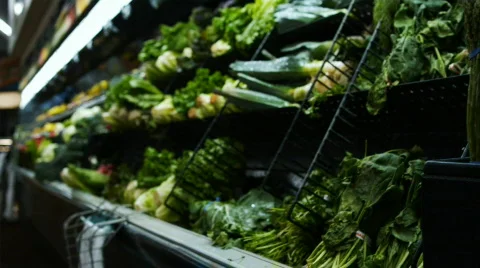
(5, 28)
(18, 8)
(6, 142)
(103, 12)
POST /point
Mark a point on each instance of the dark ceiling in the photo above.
(3, 16)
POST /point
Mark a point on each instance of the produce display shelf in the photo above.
(138, 23)
(145, 231)
(88, 104)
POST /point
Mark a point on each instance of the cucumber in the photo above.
(284, 68)
(264, 87)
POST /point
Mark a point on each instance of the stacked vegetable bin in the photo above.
(239, 129)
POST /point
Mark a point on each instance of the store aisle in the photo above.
(21, 246)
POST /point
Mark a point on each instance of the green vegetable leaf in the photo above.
(156, 168)
(262, 23)
(203, 82)
(133, 92)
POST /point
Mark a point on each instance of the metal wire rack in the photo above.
(322, 151)
(87, 233)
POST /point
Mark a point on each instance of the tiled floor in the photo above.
(21, 246)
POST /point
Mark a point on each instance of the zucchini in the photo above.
(284, 68)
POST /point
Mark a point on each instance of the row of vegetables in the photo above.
(367, 215)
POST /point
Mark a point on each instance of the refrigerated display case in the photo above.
(248, 134)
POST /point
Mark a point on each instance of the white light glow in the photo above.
(5, 28)
(6, 142)
(18, 8)
(91, 25)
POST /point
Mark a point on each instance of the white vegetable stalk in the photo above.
(220, 48)
(167, 62)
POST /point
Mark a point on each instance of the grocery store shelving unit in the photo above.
(407, 119)
(141, 240)
(99, 100)
(137, 20)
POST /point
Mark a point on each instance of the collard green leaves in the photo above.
(227, 222)
(372, 205)
(133, 92)
(426, 35)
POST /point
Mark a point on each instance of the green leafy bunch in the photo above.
(372, 200)
(228, 222)
(203, 82)
(242, 27)
(426, 42)
(133, 92)
(214, 171)
(291, 242)
(156, 168)
(179, 36)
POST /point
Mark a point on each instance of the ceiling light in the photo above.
(6, 142)
(5, 28)
(103, 12)
(18, 8)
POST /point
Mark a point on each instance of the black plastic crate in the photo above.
(451, 211)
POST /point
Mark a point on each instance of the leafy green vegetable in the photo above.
(372, 200)
(232, 21)
(397, 239)
(131, 192)
(425, 37)
(214, 171)
(121, 181)
(288, 242)
(133, 92)
(203, 82)
(120, 118)
(172, 38)
(384, 11)
(240, 28)
(227, 222)
(165, 112)
(151, 199)
(46, 151)
(262, 23)
(156, 168)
